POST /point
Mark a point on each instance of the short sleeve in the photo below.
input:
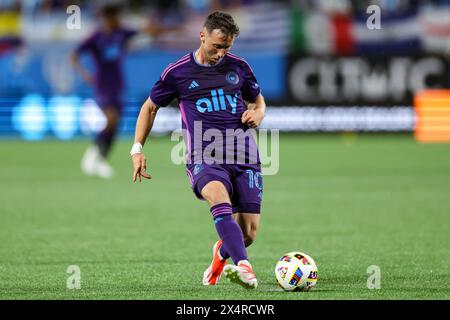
(250, 88)
(87, 44)
(128, 34)
(164, 91)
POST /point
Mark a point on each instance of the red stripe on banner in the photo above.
(344, 42)
(437, 30)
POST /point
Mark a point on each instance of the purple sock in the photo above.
(230, 233)
(104, 141)
(224, 254)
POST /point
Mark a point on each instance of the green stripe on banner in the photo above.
(298, 41)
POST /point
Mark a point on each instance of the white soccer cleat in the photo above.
(241, 274)
(89, 160)
(103, 169)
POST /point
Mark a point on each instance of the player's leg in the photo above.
(246, 199)
(218, 198)
(94, 159)
(229, 232)
(247, 184)
(199, 176)
(212, 183)
(105, 138)
(215, 193)
(249, 223)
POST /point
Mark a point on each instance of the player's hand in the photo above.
(252, 118)
(140, 166)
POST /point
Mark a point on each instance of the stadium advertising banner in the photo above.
(363, 81)
(304, 93)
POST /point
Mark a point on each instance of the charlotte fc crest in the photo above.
(232, 77)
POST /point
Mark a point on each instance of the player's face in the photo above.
(215, 45)
(111, 22)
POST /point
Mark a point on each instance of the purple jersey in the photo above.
(211, 100)
(107, 49)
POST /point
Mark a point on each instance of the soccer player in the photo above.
(107, 46)
(215, 90)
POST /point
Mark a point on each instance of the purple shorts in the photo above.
(109, 100)
(242, 181)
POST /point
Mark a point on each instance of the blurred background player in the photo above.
(107, 46)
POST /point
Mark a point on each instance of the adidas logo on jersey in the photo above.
(193, 85)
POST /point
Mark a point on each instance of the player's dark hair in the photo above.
(110, 10)
(222, 21)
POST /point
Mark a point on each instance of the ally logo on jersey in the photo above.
(217, 101)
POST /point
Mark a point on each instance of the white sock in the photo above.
(244, 262)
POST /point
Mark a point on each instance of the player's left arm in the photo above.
(255, 112)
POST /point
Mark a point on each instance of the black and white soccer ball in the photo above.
(296, 271)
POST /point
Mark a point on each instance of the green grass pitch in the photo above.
(350, 201)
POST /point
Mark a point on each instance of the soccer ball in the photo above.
(296, 271)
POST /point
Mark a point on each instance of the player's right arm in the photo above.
(82, 71)
(163, 92)
(144, 125)
(85, 46)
